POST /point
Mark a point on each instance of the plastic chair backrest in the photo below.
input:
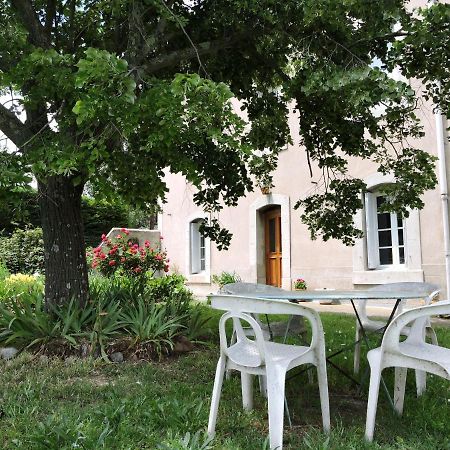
(391, 339)
(252, 305)
(242, 337)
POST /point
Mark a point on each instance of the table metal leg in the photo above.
(366, 372)
(268, 326)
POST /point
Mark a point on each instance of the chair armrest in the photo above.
(432, 297)
(391, 337)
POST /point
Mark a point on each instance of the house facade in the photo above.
(271, 245)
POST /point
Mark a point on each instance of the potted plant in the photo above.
(300, 284)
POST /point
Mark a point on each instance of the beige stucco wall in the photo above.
(322, 264)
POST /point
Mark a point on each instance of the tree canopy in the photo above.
(116, 91)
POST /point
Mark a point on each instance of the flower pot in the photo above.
(265, 190)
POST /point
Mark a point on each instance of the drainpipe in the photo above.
(440, 141)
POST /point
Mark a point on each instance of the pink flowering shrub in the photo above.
(121, 255)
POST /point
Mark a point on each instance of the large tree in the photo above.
(112, 92)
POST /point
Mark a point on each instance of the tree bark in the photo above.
(66, 273)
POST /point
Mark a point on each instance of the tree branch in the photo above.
(384, 37)
(50, 14)
(13, 128)
(36, 32)
(177, 56)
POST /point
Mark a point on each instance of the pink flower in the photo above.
(123, 259)
(166, 268)
(104, 237)
(112, 263)
(158, 257)
(137, 269)
(124, 230)
(147, 244)
(102, 256)
(161, 238)
(119, 236)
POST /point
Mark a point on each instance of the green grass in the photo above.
(54, 404)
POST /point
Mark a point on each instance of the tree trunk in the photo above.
(66, 273)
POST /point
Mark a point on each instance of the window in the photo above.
(385, 235)
(198, 247)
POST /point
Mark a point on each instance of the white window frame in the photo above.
(197, 265)
(197, 244)
(365, 273)
(372, 237)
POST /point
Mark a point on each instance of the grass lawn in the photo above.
(53, 404)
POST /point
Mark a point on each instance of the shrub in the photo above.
(169, 287)
(123, 256)
(152, 324)
(19, 287)
(25, 324)
(4, 272)
(23, 252)
(226, 278)
(141, 319)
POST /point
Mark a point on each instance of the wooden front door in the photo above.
(272, 223)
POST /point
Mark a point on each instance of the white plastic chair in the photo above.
(295, 325)
(413, 353)
(262, 357)
(378, 325)
(275, 329)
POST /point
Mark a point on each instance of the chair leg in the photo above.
(324, 399)
(216, 396)
(247, 390)
(421, 376)
(357, 356)
(310, 374)
(276, 378)
(232, 342)
(399, 389)
(375, 377)
(421, 382)
(263, 385)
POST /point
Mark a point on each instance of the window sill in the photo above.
(381, 276)
(198, 278)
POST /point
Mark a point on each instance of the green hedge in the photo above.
(23, 252)
(98, 216)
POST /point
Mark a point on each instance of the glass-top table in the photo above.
(270, 292)
(262, 291)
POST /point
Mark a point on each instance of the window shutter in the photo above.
(195, 247)
(373, 257)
